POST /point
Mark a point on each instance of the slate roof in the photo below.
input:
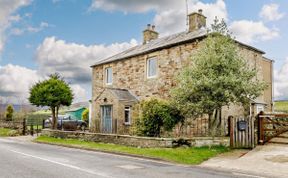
(123, 94)
(160, 43)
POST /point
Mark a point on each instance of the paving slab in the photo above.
(269, 161)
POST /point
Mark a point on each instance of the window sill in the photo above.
(152, 77)
(127, 124)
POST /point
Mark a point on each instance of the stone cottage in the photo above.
(148, 70)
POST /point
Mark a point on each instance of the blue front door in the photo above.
(107, 119)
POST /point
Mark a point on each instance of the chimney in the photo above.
(196, 20)
(149, 34)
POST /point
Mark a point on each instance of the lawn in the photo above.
(4, 132)
(281, 106)
(191, 156)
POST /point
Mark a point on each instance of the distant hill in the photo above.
(18, 107)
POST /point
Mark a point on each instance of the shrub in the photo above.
(157, 115)
(13, 133)
(85, 116)
(9, 112)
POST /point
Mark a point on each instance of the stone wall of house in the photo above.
(131, 74)
(144, 142)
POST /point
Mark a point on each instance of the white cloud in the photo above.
(270, 12)
(174, 20)
(136, 6)
(281, 81)
(30, 29)
(7, 16)
(73, 60)
(170, 14)
(15, 82)
(250, 31)
(80, 94)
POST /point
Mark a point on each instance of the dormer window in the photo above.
(109, 76)
(152, 67)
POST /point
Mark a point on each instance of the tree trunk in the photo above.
(56, 116)
(54, 123)
(215, 122)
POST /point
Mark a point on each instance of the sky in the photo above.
(41, 37)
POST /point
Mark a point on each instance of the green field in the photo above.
(190, 155)
(281, 106)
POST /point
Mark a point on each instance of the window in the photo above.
(127, 115)
(109, 77)
(259, 108)
(151, 67)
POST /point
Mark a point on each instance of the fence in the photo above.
(192, 128)
(29, 125)
(242, 132)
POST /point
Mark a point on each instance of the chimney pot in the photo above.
(200, 11)
(153, 27)
(148, 26)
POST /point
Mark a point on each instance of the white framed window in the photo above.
(127, 114)
(259, 108)
(152, 67)
(109, 75)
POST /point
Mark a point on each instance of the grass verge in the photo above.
(191, 156)
(4, 132)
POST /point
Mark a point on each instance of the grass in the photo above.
(4, 132)
(281, 106)
(191, 156)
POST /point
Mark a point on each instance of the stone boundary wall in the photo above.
(145, 142)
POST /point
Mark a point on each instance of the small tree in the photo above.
(217, 76)
(9, 112)
(156, 115)
(53, 92)
(85, 115)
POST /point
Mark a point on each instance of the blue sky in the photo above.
(67, 36)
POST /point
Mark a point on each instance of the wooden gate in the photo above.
(270, 126)
(242, 134)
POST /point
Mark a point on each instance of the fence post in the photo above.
(260, 129)
(231, 130)
(31, 129)
(43, 124)
(24, 127)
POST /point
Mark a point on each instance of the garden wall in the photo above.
(145, 142)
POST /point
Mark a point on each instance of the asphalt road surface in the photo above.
(19, 159)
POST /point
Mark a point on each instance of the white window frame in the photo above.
(259, 108)
(148, 67)
(106, 76)
(127, 108)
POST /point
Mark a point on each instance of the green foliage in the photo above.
(157, 115)
(53, 92)
(9, 112)
(85, 115)
(218, 76)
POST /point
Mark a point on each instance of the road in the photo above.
(22, 159)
